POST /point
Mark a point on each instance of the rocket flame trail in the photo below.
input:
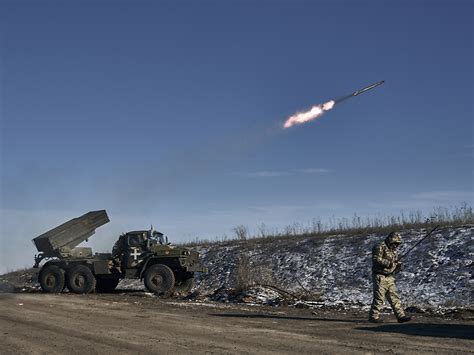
(318, 110)
(313, 113)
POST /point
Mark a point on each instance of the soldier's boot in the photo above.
(374, 314)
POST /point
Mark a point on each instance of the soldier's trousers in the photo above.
(384, 287)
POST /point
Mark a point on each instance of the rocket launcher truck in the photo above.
(142, 254)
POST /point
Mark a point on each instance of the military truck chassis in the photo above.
(162, 268)
(85, 276)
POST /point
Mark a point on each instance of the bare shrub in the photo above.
(241, 232)
(262, 231)
(317, 226)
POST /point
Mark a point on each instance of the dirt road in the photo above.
(137, 323)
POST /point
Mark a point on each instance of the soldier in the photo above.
(384, 264)
(119, 247)
(117, 252)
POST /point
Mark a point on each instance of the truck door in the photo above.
(135, 248)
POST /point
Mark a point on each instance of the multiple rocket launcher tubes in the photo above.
(318, 110)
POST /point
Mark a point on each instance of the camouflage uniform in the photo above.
(384, 263)
(119, 247)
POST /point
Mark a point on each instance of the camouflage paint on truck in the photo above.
(143, 254)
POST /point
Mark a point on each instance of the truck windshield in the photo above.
(159, 237)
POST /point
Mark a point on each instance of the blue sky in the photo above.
(170, 113)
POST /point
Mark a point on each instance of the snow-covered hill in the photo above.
(437, 273)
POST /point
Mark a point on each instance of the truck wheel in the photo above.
(159, 278)
(106, 285)
(80, 279)
(51, 279)
(185, 287)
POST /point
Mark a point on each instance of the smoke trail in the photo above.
(313, 113)
(318, 110)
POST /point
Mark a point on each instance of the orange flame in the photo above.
(313, 113)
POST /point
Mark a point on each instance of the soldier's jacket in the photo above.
(383, 259)
(117, 249)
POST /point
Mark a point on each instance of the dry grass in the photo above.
(454, 216)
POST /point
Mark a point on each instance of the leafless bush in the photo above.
(262, 231)
(241, 232)
(317, 226)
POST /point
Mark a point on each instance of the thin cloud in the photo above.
(269, 173)
(314, 171)
(265, 174)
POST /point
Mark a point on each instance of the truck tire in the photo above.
(106, 285)
(159, 279)
(185, 286)
(80, 279)
(51, 279)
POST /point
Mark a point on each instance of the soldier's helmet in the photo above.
(394, 238)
